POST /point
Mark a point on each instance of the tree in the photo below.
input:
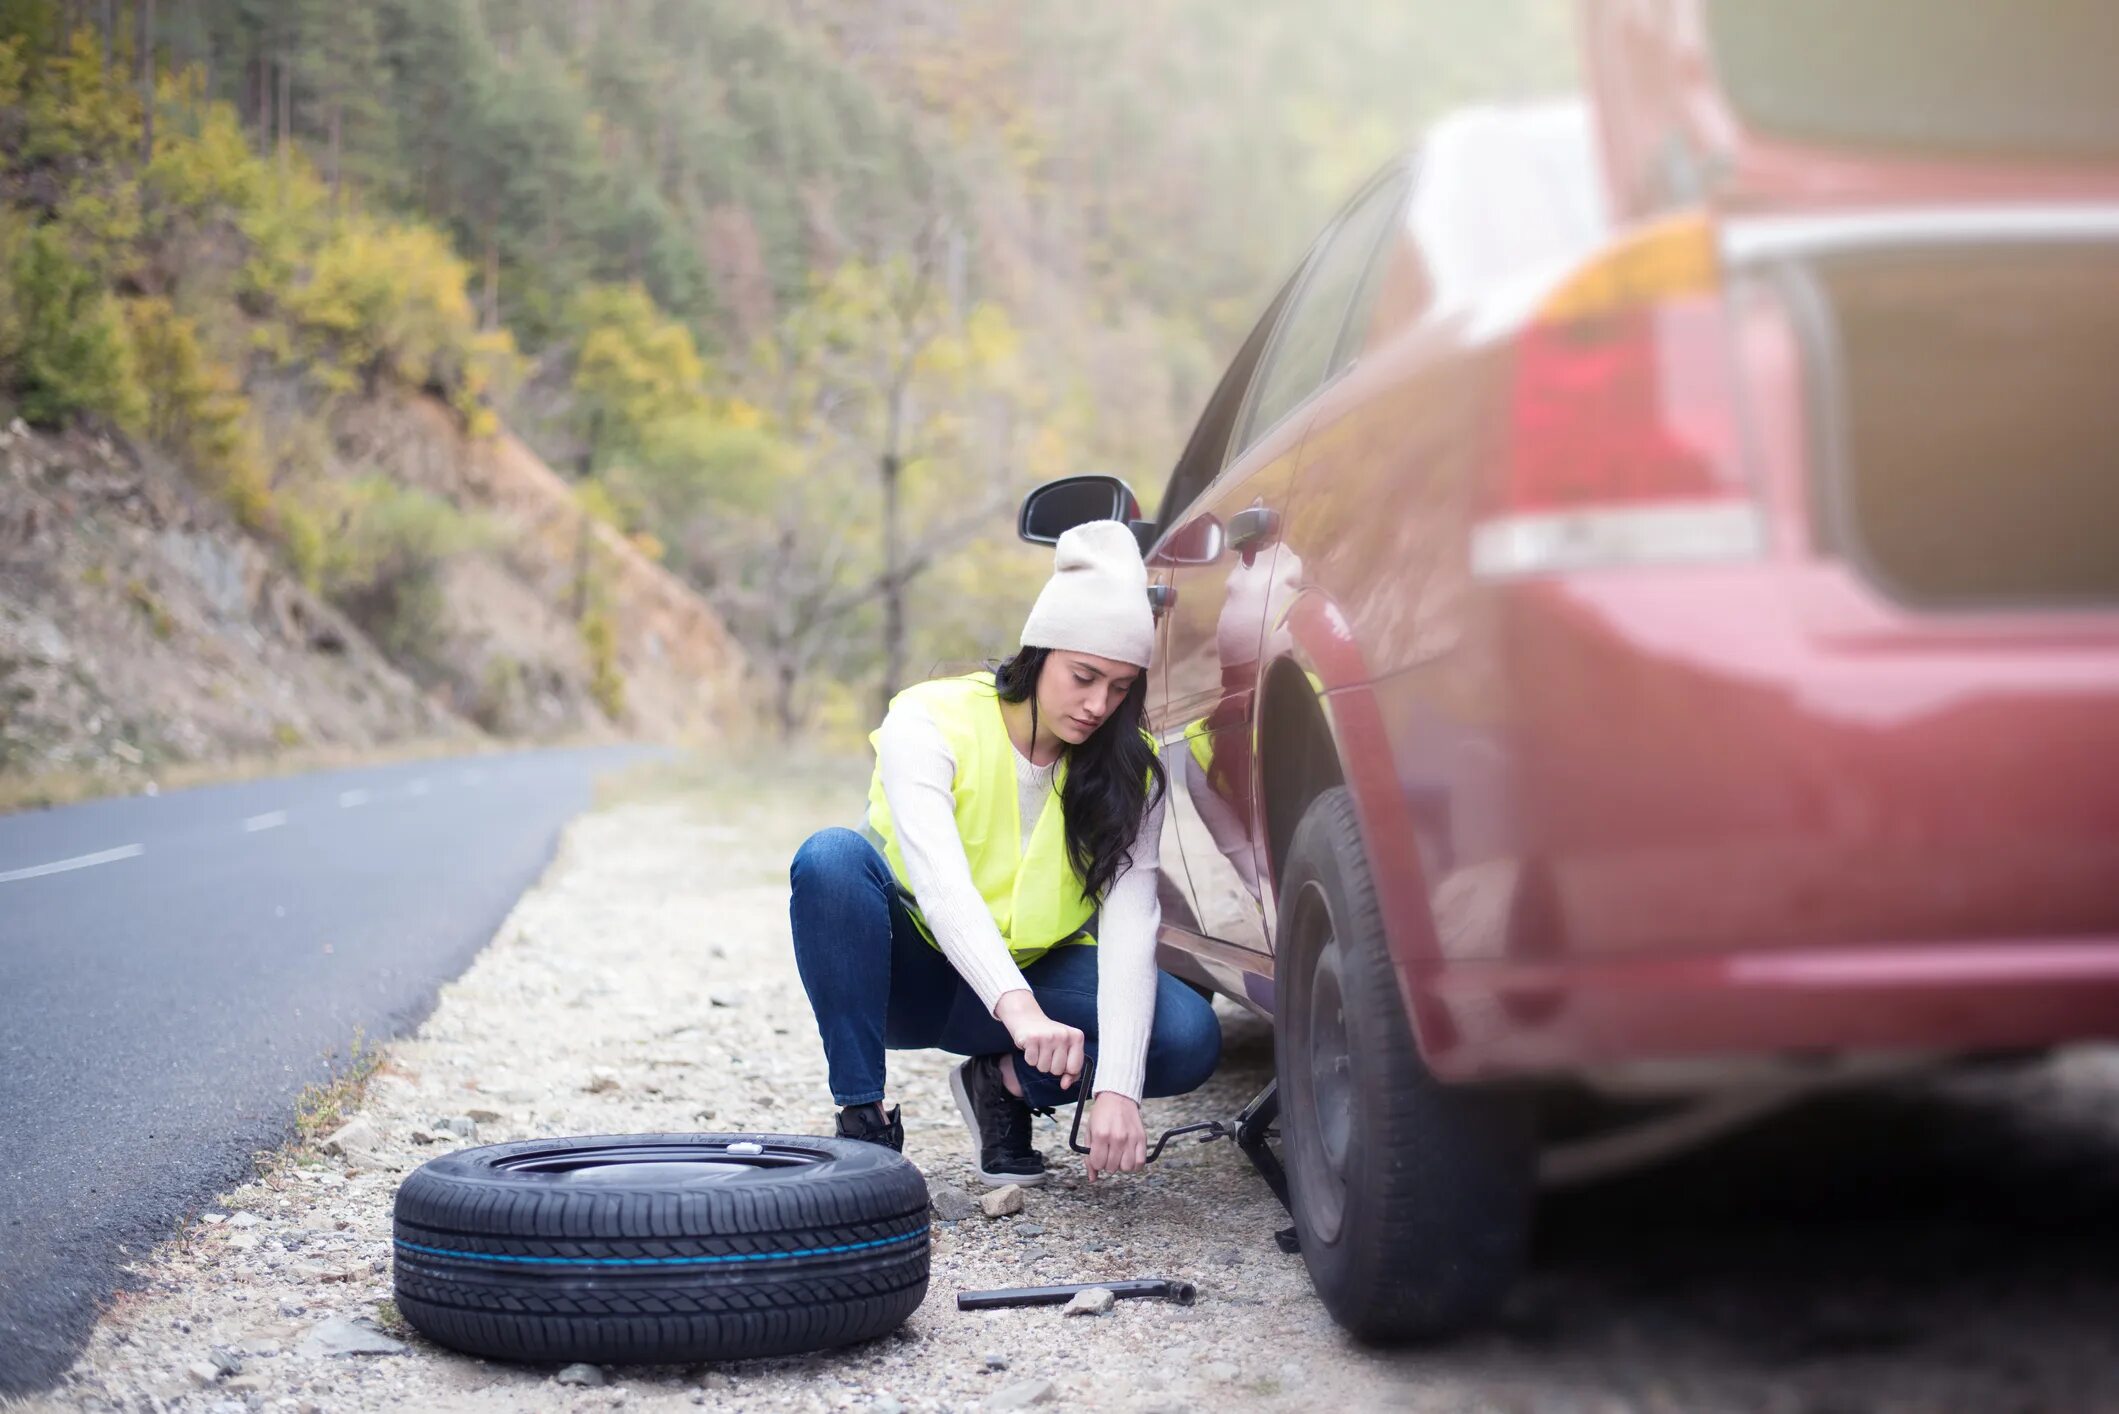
(73, 356)
(876, 334)
(147, 81)
(337, 88)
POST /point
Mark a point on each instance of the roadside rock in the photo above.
(1003, 1202)
(953, 1205)
(357, 1136)
(1093, 1302)
(1020, 1395)
(315, 1271)
(340, 1336)
(586, 1376)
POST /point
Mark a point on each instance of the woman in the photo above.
(1001, 901)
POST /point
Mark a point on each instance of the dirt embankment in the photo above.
(516, 606)
(144, 636)
(138, 627)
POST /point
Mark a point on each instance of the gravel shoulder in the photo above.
(647, 984)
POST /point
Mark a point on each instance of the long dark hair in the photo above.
(1108, 776)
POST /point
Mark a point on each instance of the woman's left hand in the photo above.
(1117, 1141)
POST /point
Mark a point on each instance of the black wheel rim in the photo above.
(1325, 1071)
(704, 1161)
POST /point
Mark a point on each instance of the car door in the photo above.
(1231, 577)
(1185, 535)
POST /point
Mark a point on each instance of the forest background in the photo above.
(798, 297)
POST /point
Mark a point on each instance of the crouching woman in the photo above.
(1000, 902)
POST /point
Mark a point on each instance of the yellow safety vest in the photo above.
(1031, 888)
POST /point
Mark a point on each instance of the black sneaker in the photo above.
(999, 1124)
(870, 1123)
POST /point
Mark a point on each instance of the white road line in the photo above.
(79, 861)
(270, 820)
(347, 799)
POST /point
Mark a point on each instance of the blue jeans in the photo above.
(876, 983)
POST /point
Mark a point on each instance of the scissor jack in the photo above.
(1251, 1129)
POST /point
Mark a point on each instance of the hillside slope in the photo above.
(513, 655)
(141, 627)
(254, 493)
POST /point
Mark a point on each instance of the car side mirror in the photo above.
(1057, 507)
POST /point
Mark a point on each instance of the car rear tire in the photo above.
(1411, 1198)
(661, 1248)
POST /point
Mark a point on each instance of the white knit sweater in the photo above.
(919, 772)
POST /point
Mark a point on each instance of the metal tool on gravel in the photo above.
(1181, 1292)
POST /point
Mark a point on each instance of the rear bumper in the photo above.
(1752, 809)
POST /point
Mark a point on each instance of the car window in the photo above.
(1301, 356)
(1206, 450)
(1353, 335)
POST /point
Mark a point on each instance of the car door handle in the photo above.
(1257, 526)
(1161, 597)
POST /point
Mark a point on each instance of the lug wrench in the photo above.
(1181, 1292)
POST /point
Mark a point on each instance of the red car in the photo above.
(1640, 617)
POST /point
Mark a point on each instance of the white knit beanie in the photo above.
(1097, 599)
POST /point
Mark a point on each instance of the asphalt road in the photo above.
(175, 969)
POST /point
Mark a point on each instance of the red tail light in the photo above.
(1623, 442)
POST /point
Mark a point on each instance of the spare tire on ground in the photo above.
(661, 1247)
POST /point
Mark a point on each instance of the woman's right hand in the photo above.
(1050, 1046)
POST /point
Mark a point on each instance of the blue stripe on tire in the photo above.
(663, 1261)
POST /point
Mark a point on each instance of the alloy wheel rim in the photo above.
(703, 1161)
(1325, 1070)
